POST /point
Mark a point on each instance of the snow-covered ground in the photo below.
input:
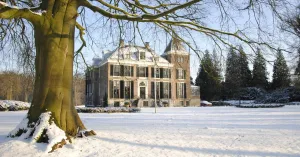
(212, 131)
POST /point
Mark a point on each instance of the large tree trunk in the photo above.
(54, 39)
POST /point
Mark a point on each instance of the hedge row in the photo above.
(10, 105)
(107, 110)
(260, 105)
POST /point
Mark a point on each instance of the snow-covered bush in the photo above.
(11, 105)
(251, 93)
(281, 96)
(220, 103)
(259, 105)
(106, 109)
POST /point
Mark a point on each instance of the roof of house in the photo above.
(120, 54)
(175, 46)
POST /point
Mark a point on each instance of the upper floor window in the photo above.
(121, 70)
(180, 59)
(166, 73)
(128, 71)
(127, 56)
(142, 55)
(180, 74)
(142, 71)
(117, 70)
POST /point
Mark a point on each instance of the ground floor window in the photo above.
(181, 90)
(163, 90)
(120, 89)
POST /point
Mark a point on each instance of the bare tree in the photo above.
(54, 22)
(79, 89)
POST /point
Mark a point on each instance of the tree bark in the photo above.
(54, 40)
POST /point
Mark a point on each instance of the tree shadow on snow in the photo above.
(201, 150)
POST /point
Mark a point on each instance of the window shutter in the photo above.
(152, 72)
(122, 70)
(122, 89)
(170, 91)
(161, 89)
(184, 90)
(176, 90)
(184, 74)
(152, 90)
(111, 70)
(146, 71)
(137, 71)
(177, 71)
(131, 71)
(111, 89)
(132, 89)
(169, 72)
(161, 72)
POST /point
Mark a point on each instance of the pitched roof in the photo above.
(175, 46)
(119, 55)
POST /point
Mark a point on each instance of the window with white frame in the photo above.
(180, 90)
(180, 74)
(116, 70)
(116, 89)
(142, 55)
(127, 56)
(127, 89)
(142, 71)
(128, 71)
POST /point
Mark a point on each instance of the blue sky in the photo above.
(106, 37)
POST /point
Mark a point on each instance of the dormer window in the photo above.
(142, 56)
(127, 56)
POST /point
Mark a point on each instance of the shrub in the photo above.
(107, 110)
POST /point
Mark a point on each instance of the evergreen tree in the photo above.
(281, 76)
(191, 79)
(245, 73)
(259, 71)
(208, 79)
(297, 71)
(232, 74)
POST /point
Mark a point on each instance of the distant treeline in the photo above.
(19, 86)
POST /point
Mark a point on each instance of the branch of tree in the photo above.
(10, 12)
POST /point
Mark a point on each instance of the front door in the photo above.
(143, 92)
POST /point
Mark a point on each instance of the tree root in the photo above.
(58, 145)
(86, 133)
(46, 131)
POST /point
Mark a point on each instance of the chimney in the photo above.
(121, 44)
(104, 52)
(147, 45)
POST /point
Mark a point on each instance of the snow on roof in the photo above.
(175, 46)
(130, 54)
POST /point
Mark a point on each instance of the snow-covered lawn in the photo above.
(211, 131)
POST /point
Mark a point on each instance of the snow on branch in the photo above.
(10, 12)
